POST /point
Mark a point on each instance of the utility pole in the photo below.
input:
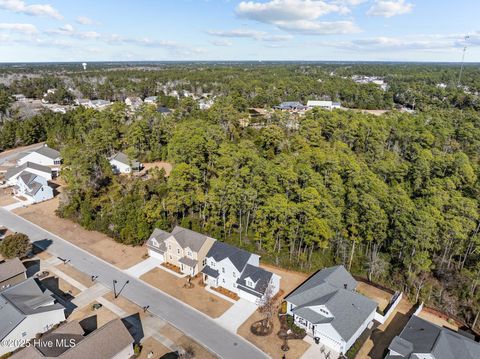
(463, 61)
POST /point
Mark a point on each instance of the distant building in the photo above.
(291, 106)
(133, 102)
(12, 271)
(164, 110)
(151, 100)
(122, 164)
(327, 105)
(421, 339)
(25, 311)
(72, 341)
(19, 97)
(329, 309)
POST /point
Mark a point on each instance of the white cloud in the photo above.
(20, 7)
(388, 8)
(223, 43)
(252, 34)
(300, 16)
(83, 20)
(21, 28)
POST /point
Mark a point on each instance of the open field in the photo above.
(197, 296)
(99, 244)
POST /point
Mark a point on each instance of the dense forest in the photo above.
(394, 197)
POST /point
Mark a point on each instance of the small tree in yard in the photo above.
(15, 245)
(266, 306)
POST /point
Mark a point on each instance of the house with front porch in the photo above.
(330, 310)
(183, 248)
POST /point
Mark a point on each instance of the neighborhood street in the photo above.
(187, 319)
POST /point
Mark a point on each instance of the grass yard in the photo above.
(75, 274)
(153, 346)
(197, 296)
(99, 244)
(185, 342)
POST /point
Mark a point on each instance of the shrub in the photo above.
(15, 245)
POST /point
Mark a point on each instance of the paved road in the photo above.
(190, 321)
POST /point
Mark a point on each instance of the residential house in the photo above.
(12, 174)
(25, 311)
(85, 102)
(44, 156)
(122, 164)
(19, 97)
(329, 309)
(182, 248)
(164, 110)
(327, 105)
(133, 102)
(94, 104)
(421, 339)
(34, 187)
(73, 340)
(151, 100)
(291, 106)
(12, 271)
(238, 271)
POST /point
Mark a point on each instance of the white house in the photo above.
(74, 340)
(25, 311)
(13, 173)
(122, 164)
(151, 100)
(328, 105)
(238, 271)
(330, 310)
(44, 156)
(133, 102)
(33, 187)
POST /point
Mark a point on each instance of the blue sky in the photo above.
(106, 30)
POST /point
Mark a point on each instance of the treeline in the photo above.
(393, 197)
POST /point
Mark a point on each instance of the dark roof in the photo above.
(15, 170)
(259, 276)
(210, 272)
(237, 256)
(290, 105)
(30, 181)
(11, 268)
(48, 152)
(333, 287)
(422, 336)
(164, 110)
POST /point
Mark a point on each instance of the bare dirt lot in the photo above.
(103, 314)
(380, 296)
(186, 342)
(75, 274)
(432, 317)
(150, 345)
(6, 197)
(159, 164)
(43, 214)
(197, 296)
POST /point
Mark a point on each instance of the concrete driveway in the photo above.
(190, 321)
(143, 267)
(234, 317)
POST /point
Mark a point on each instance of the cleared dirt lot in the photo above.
(432, 317)
(96, 243)
(380, 296)
(185, 342)
(153, 346)
(103, 314)
(197, 296)
(75, 274)
(159, 164)
(6, 197)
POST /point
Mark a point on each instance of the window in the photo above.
(223, 269)
(178, 250)
(234, 275)
(204, 263)
(170, 246)
(223, 280)
(250, 283)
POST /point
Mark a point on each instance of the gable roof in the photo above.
(188, 238)
(259, 276)
(123, 158)
(48, 152)
(11, 268)
(237, 256)
(333, 287)
(422, 336)
(105, 342)
(21, 300)
(11, 172)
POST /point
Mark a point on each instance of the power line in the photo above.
(463, 60)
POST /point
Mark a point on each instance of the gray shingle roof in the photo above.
(11, 268)
(237, 256)
(260, 277)
(21, 300)
(15, 170)
(188, 261)
(48, 152)
(188, 238)
(333, 287)
(210, 272)
(123, 158)
(421, 336)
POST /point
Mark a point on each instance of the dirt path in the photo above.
(99, 244)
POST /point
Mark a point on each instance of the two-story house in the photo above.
(183, 248)
(329, 309)
(44, 156)
(34, 187)
(238, 271)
